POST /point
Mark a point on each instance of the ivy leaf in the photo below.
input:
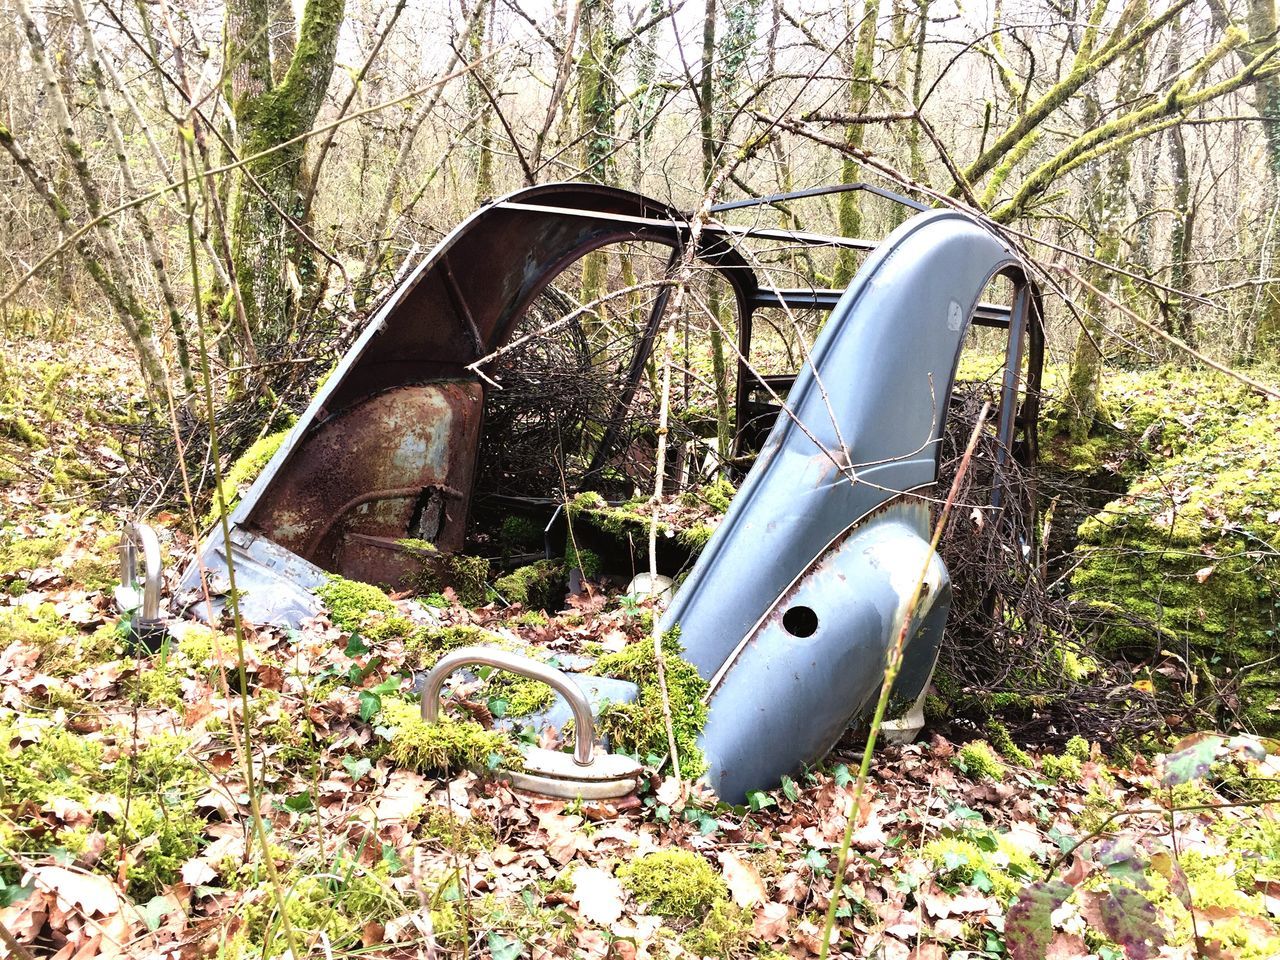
(1027, 926)
(501, 948)
(757, 800)
(300, 802)
(357, 769)
(370, 704)
(790, 790)
(11, 893)
(355, 645)
(842, 775)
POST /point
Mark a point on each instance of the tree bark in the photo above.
(849, 210)
(272, 268)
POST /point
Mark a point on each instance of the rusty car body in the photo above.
(791, 606)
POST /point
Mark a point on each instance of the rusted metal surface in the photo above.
(392, 465)
(791, 605)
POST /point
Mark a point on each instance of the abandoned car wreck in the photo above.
(790, 607)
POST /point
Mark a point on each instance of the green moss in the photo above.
(640, 728)
(38, 626)
(350, 602)
(674, 883)
(998, 735)
(1064, 769)
(586, 561)
(20, 553)
(619, 521)
(1003, 870)
(1077, 747)
(1225, 896)
(468, 576)
(241, 474)
(447, 745)
(719, 494)
(521, 695)
(471, 836)
(725, 932)
(517, 531)
(537, 585)
(429, 644)
(696, 537)
(335, 904)
(162, 830)
(979, 761)
(155, 686)
(1187, 557)
(99, 568)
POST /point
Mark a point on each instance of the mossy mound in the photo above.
(674, 883)
(446, 745)
(521, 695)
(640, 728)
(1189, 558)
(468, 576)
(723, 933)
(428, 644)
(979, 761)
(538, 585)
(351, 602)
(241, 474)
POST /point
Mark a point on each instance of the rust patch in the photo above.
(388, 467)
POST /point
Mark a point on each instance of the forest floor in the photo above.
(128, 826)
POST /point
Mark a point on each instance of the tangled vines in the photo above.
(1016, 644)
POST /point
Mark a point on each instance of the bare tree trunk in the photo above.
(113, 274)
(1108, 205)
(150, 243)
(272, 268)
(1180, 240)
(849, 210)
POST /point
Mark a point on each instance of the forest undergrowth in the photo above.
(125, 821)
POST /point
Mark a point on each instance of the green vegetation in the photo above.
(674, 883)
(446, 745)
(1063, 769)
(998, 736)
(521, 695)
(990, 861)
(538, 585)
(241, 474)
(979, 761)
(640, 728)
(335, 904)
(1189, 557)
(350, 602)
(723, 933)
(40, 764)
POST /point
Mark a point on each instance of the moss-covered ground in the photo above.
(129, 774)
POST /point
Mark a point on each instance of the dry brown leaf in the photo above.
(90, 893)
(772, 922)
(744, 881)
(1066, 946)
(197, 872)
(404, 795)
(599, 895)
